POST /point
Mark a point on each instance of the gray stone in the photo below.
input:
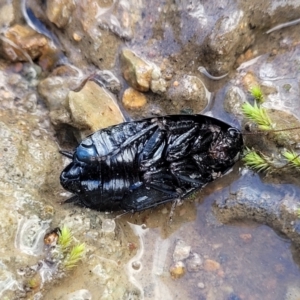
(188, 92)
(181, 251)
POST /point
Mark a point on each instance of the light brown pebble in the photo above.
(240, 59)
(177, 270)
(136, 71)
(250, 81)
(175, 83)
(211, 265)
(77, 37)
(248, 54)
(246, 237)
(164, 211)
(133, 99)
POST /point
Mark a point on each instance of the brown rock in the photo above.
(133, 99)
(59, 11)
(21, 43)
(55, 90)
(211, 265)
(27, 40)
(250, 81)
(188, 93)
(136, 71)
(93, 108)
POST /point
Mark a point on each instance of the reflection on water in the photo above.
(242, 260)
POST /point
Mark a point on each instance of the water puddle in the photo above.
(240, 260)
(217, 246)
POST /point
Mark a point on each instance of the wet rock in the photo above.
(30, 102)
(136, 71)
(6, 14)
(250, 81)
(59, 12)
(274, 207)
(231, 35)
(108, 80)
(133, 99)
(287, 139)
(28, 43)
(211, 265)
(158, 84)
(234, 99)
(55, 90)
(177, 269)
(93, 108)
(181, 251)
(194, 262)
(188, 93)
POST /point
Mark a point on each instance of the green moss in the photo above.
(255, 161)
(65, 239)
(76, 254)
(293, 158)
(257, 115)
(257, 94)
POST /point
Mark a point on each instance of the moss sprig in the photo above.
(293, 158)
(68, 253)
(76, 254)
(258, 115)
(256, 161)
(65, 238)
(257, 94)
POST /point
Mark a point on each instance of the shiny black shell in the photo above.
(141, 164)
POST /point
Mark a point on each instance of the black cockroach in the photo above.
(137, 165)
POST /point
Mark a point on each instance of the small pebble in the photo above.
(181, 251)
(164, 211)
(201, 285)
(177, 269)
(77, 37)
(211, 265)
(194, 263)
(133, 99)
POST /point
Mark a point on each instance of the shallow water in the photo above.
(241, 260)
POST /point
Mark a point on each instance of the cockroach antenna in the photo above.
(247, 132)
